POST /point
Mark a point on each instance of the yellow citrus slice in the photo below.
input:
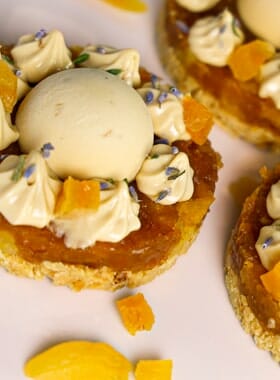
(129, 5)
(78, 360)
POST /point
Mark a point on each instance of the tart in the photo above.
(112, 220)
(226, 54)
(251, 275)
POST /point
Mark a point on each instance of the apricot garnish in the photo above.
(198, 120)
(78, 360)
(271, 281)
(246, 59)
(8, 86)
(135, 313)
(154, 369)
(129, 5)
(76, 194)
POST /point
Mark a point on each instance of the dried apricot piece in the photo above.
(154, 370)
(78, 360)
(198, 119)
(271, 281)
(129, 5)
(246, 59)
(8, 86)
(76, 194)
(135, 313)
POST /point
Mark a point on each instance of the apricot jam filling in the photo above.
(140, 250)
(238, 98)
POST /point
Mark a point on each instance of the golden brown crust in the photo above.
(257, 311)
(263, 338)
(183, 67)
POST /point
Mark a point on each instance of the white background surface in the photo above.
(195, 324)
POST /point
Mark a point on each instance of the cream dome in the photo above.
(98, 125)
(262, 18)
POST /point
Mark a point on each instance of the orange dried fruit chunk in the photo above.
(78, 360)
(8, 86)
(271, 281)
(76, 194)
(154, 370)
(135, 313)
(198, 120)
(246, 59)
(129, 5)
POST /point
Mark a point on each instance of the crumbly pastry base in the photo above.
(172, 60)
(264, 339)
(79, 277)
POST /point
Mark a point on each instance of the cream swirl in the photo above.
(268, 245)
(166, 111)
(115, 218)
(166, 177)
(212, 39)
(8, 133)
(27, 190)
(270, 80)
(38, 56)
(125, 62)
(197, 5)
(273, 201)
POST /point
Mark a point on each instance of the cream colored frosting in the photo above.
(212, 39)
(197, 5)
(166, 177)
(273, 201)
(262, 18)
(108, 58)
(38, 58)
(8, 133)
(167, 115)
(115, 218)
(99, 126)
(268, 245)
(270, 80)
(22, 88)
(30, 198)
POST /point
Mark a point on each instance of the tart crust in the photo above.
(236, 106)
(257, 311)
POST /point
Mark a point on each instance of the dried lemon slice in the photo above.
(129, 5)
(78, 360)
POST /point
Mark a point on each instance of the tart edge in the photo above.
(263, 339)
(79, 277)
